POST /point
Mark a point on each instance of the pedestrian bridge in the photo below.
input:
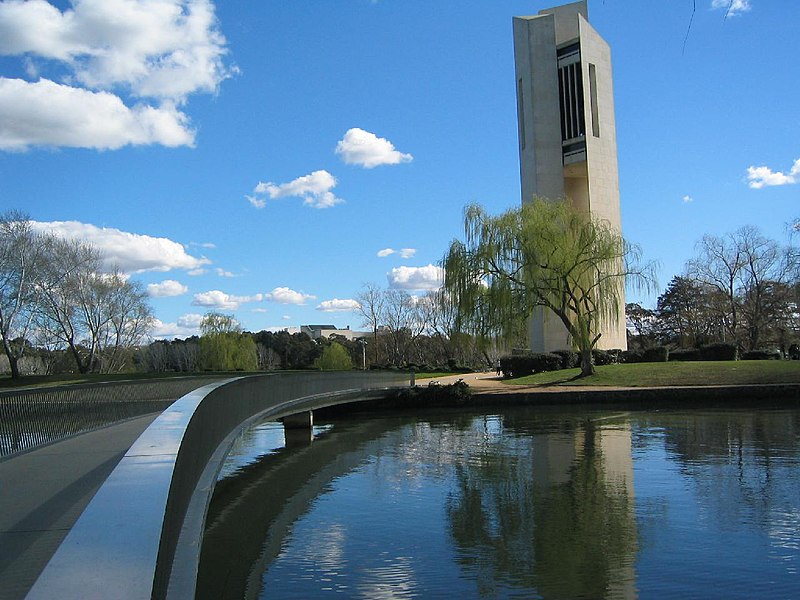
(140, 536)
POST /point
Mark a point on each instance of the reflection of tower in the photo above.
(585, 508)
(567, 133)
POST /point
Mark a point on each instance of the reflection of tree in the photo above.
(735, 459)
(568, 537)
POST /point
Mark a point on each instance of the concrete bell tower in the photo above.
(567, 134)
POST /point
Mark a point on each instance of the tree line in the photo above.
(57, 305)
(741, 288)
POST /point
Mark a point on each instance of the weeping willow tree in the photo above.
(546, 254)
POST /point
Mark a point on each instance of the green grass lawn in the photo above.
(674, 373)
(432, 374)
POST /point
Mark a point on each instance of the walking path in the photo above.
(44, 491)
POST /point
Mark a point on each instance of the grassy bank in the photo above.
(746, 372)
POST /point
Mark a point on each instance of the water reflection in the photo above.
(526, 503)
(551, 512)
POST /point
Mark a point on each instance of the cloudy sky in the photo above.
(267, 159)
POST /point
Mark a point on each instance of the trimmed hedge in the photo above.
(761, 355)
(718, 351)
(528, 364)
(648, 355)
(687, 354)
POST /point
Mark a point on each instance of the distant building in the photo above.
(567, 133)
(325, 331)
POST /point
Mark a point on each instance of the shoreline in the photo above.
(486, 386)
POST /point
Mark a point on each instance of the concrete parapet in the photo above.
(140, 536)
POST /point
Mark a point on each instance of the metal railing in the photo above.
(34, 417)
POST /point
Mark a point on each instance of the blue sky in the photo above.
(266, 159)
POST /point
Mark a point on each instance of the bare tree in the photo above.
(748, 271)
(371, 302)
(20, 262)
(64, 305)
(129, 319)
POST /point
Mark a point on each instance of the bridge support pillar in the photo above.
(298, 429)
(303, 420)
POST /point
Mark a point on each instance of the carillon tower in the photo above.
(567, 134)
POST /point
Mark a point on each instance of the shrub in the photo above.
(334, 358)
(569, 358)
(528, 364)
(606, 357)
(656, 354)
(718, 351)
(685, 354)
(434, 394)
(761, 355)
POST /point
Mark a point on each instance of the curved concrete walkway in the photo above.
(44, 491)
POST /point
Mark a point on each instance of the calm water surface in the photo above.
(527, 503)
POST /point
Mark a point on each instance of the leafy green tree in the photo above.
(544, 253)
(335, 357)
(224, 346)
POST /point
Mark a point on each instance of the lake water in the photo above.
(523, 503)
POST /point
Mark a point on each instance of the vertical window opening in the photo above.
(593, 100)
(521, 115)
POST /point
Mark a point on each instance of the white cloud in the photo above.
(130, 252)
(359, 147)
(167, 289)
(159, 49)
(429, 277)
(285, 295)
(759, 177)
(337, 305)
(197, 272)
(186, 326)
(46, 113)
(732, 7)
(314, 188)
(255, 201)
(220, 300)
(223, 273)
(403, 252)
(687, 198)
(104, 51)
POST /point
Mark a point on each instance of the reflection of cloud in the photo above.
(394, 580)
